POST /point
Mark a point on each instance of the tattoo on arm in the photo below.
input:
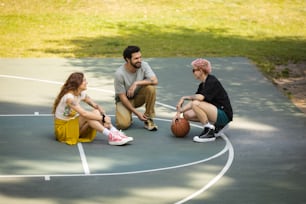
(72, 103)
(91, 104)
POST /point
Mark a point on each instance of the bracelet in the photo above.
(103, 118)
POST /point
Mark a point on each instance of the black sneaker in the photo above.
(208, 135)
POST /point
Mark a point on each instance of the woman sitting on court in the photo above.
(73, 124)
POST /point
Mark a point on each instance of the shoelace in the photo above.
(122, 134)
(115, 136)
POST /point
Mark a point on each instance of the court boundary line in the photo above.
(204, 188)
(86, 166)
(49, 82)
(223, 151)
(228, 147)
(83, 159)
(217, 177)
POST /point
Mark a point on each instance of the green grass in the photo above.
(269, 32)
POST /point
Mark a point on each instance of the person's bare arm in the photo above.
(83, 112)
(152, 81)
(93, 104)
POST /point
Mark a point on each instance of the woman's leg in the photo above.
(207, 115)
(190, 114)
(114, 137)
(205, 112)
(85, 123)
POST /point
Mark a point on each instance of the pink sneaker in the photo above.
(122, 135)
(114, 138)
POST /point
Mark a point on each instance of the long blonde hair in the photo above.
(72, 84)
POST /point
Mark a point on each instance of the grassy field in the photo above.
(269, 32)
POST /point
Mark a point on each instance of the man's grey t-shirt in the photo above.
(124, 79)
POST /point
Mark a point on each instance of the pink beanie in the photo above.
(202, 64)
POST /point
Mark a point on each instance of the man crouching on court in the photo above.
(135, 85)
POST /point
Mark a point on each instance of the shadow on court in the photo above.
(260, 159)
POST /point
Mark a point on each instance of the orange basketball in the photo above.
(180, 127)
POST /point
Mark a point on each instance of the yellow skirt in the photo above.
(68, 132)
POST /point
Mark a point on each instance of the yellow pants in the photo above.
(68, 132)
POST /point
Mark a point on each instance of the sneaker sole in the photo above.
(130, 139)
(197, 139)
(151, 129)
(119, 143)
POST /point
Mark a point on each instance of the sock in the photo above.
(113, 129)
(209, 125)
(106, 132)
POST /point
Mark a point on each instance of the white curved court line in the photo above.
(85, 164)
(228, 147)
(224, 150)
(217, 177)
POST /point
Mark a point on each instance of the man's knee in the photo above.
(150, 89)
(123, 124)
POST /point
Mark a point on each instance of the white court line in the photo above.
(30, 79)
(223, 151)
(216, 178)
(26, 115)
(228, 147)
(83, 159)
(85, 164)
(165, 105)
(49, 82)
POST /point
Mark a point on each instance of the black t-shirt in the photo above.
(214, 93)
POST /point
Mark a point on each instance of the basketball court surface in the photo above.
(260, 158)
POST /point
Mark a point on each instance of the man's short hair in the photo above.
(129, 50)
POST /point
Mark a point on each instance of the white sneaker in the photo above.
(114, 138)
